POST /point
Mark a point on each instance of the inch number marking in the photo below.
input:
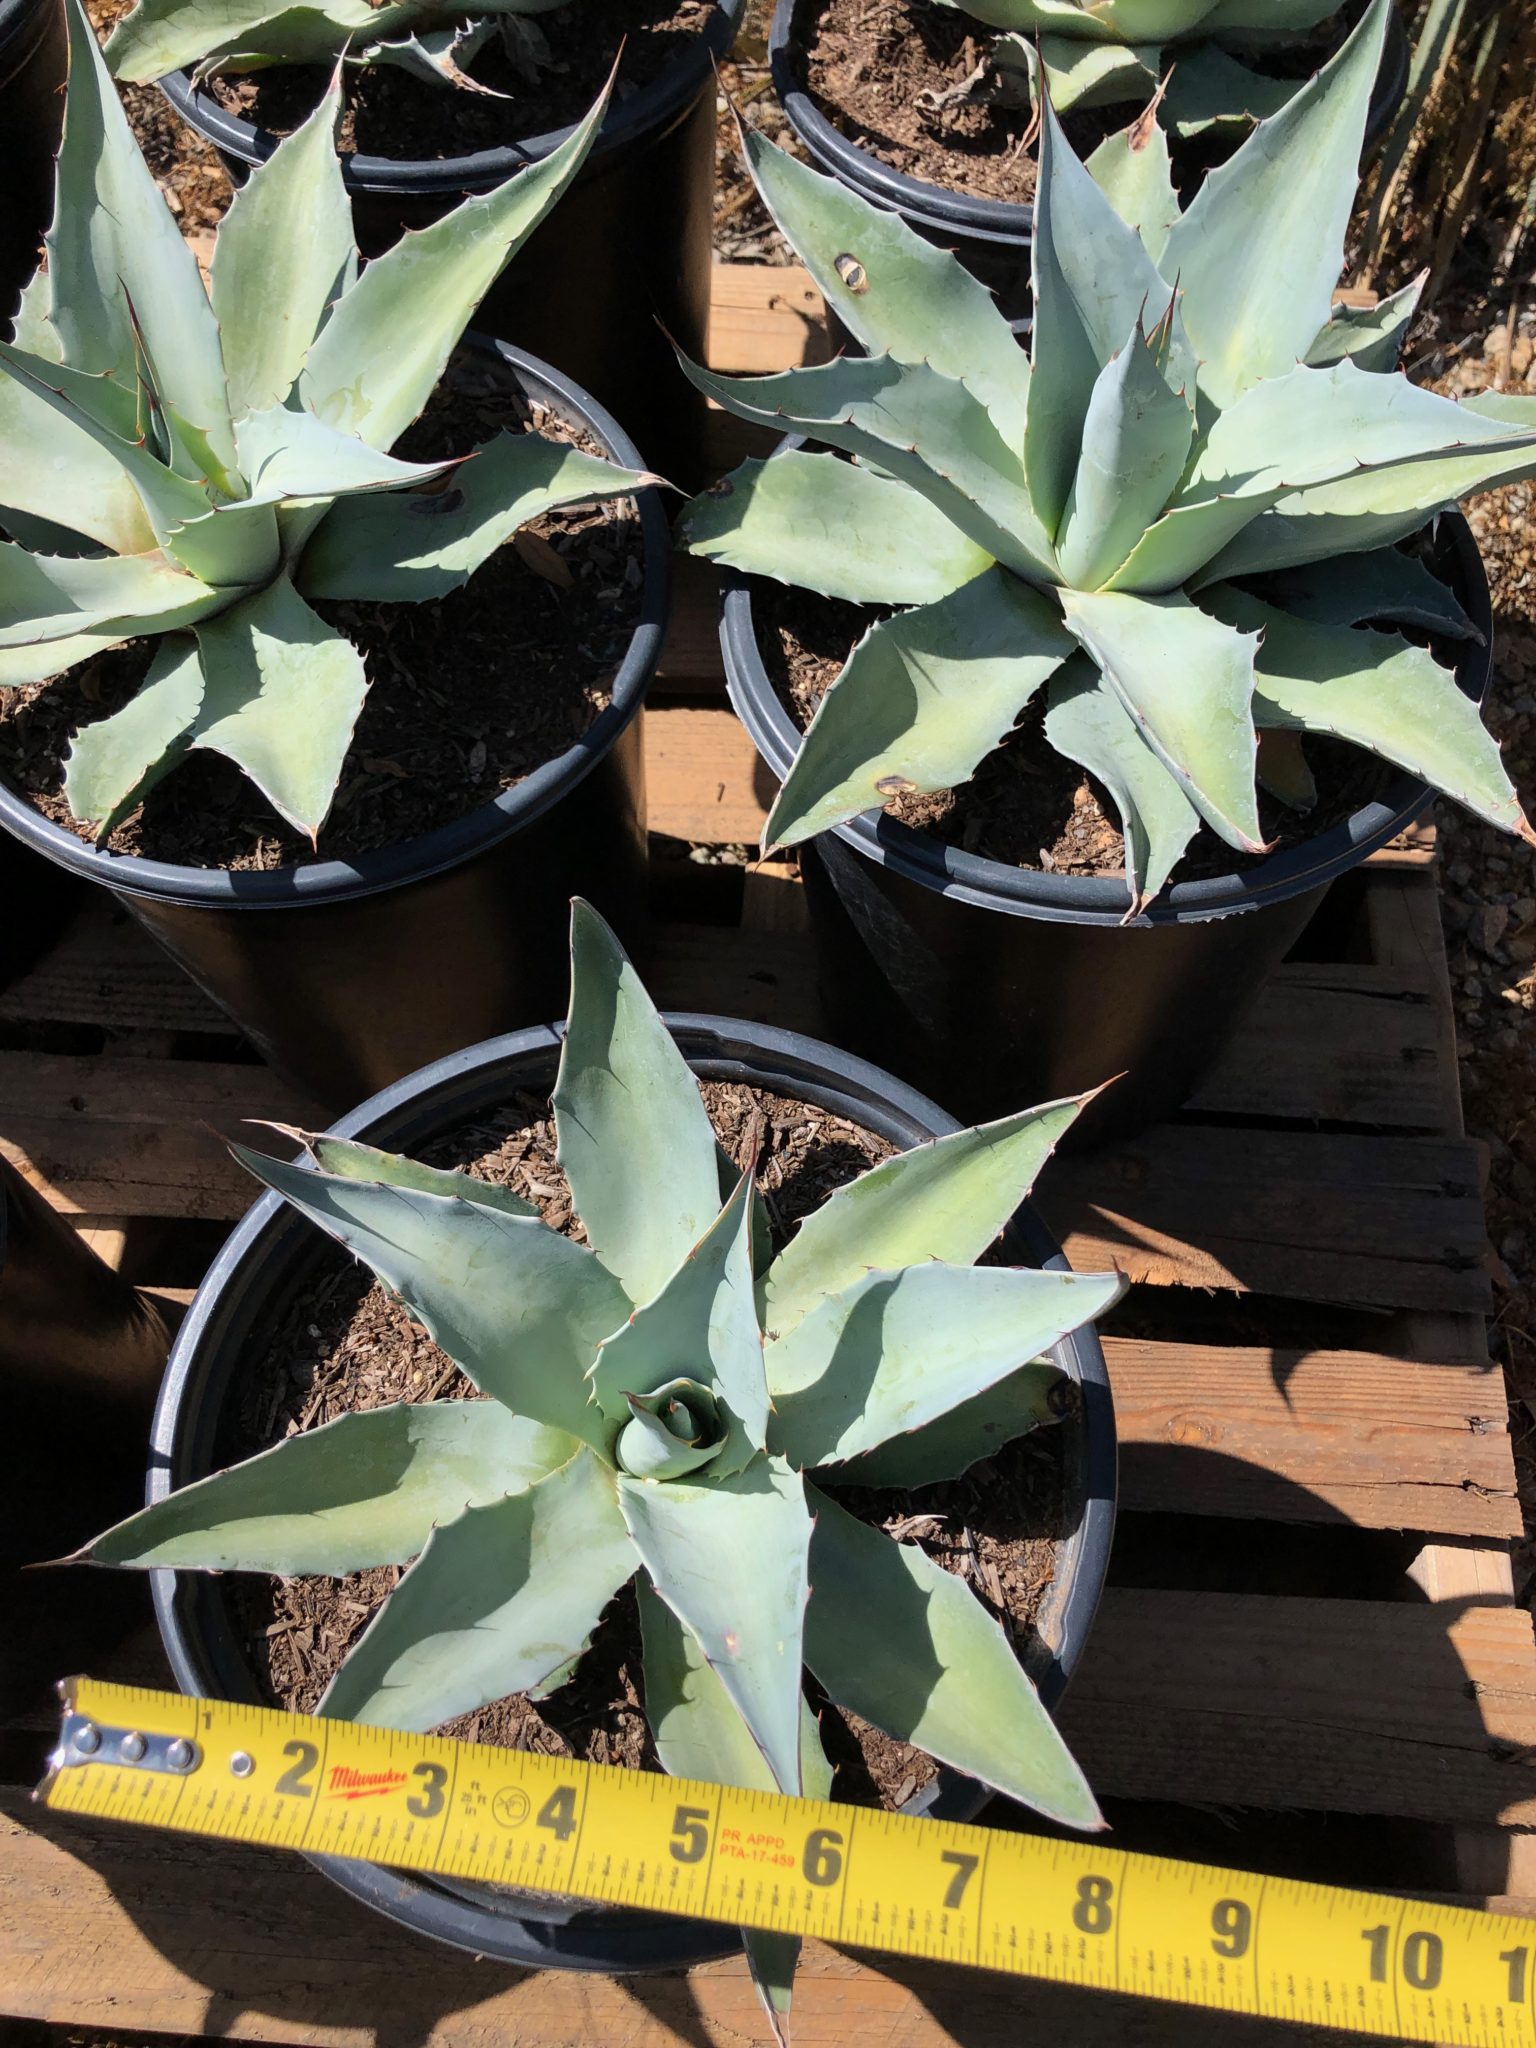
(306, 1758)
(690, 1834)
(1422, 1960)
(1514, 1960)
(429, 1800)
(558, 1813)
(1231, 1928)
(1092, 1913)
(822, 1862)
(965, 1867)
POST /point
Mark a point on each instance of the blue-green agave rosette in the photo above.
(197, 466)
(1170, 521)
(669, 1404)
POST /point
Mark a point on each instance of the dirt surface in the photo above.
(1028, 806)
(345, 1344)
(467, 695)
(568, 55)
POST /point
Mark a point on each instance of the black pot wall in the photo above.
(991, 237)
(346, 975)
(37, 901)
(622, 262)
(990, 986)
(33, 62)
(81, 1354)
(270, 1258)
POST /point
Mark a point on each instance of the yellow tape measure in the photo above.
(1074, 1911)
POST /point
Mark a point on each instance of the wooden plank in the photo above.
(765, 317)
(703, 777)
(690, 658)
(1340, 1044)
(134, 1931)
(1424, 1712)
(1386, 1222)
(1464, 1571)
(1317, 1436)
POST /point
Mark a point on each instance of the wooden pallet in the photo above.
(1309, 1658)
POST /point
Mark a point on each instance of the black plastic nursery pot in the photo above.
(37, 901)
(622, 262)
(347, 974)
(268, 1260)
(33, 63)
(991, 237)
(81, 1355)
(990, 986)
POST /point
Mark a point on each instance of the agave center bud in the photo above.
(671, 1431)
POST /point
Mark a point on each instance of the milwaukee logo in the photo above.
(349, 1784)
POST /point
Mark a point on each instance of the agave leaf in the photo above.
(351, 1160)
(438, 55)
(1187, 681)
(289, 455)
(364, 1490)
(1381, 693)
(921, 698)
(54, 470)
(1136, 436)
(820, 523)
(1276, 20)
(895, 1638)
(1121, 21)
(624, 1092)
(1370, 510)
(927, 430)
(702, 1322)
(1370, 336)
(898, 294)
(1514, 408)
(946, 1200)
(1080, 75)
(1088, 723)
(283, 253)
(46, 597)
(1134, 172)
(972, 1430)
(1283, 769)
(1177, 546)
(115, 762)
(378, 358)
(697, 1729)
(100, 407)
(895, 1351)
(771, 1963)
(1383, 584)
(35, 663)
(1208, 88)
(519, 1307)
(113, 244)
(161, 36)
(1093, 282)
(419, 546)
(746, 1621)
(283, 692)
(496, 1601)
(1253, 302)
(1310, 427)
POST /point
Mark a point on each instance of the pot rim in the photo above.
(448, 845)
(1101, 899)
(23, 25)
(600, 1938)
(940, 208)
(654, 106)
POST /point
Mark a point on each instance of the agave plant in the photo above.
(431, 38)
(193, 466)
(668, 1403)
(1171, 518)
(1096, 52)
